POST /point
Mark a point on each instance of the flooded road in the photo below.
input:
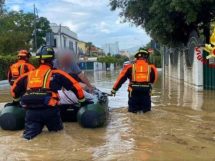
(179, 128)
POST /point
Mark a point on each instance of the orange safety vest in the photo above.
(39, 80)
(17, 69)
(141, 71)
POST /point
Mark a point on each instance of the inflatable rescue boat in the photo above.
(92, 115)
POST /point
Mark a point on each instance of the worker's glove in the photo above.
(83, 102)
(16, 103)
(113, 93)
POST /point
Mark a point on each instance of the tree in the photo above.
(88, 46)
(113, 59)
(168, 21)
(1, 6)
(16, 31)
(120, 59)
(43, 27)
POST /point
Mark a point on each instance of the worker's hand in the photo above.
(83, 103)
(113, 93)
(14, 103)
(91, 89)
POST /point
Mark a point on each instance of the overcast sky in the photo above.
(92, 20)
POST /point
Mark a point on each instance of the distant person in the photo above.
(20, 67)
(38, 91)
(141, 75)
(66, 62)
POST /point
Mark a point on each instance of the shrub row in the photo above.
(156, 59)
(6, 61)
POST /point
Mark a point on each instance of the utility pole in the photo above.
(2, 6)
(60, 37)
(35, 29)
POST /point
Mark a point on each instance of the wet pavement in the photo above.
(179, 128)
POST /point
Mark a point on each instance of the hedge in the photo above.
(6, 61)
(156, 59)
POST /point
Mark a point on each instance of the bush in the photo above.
(7, 61)
(113, 59)
(156, 60)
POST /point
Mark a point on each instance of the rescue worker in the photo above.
(141, 75)
(20, 67)
(38, 91)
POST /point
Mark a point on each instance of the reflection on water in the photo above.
(180, 127)
(118, 141)
(175, 93)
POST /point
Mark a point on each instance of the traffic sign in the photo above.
(150, 50)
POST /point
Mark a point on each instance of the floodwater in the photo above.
(181, 127)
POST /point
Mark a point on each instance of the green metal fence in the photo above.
(209, 74)
(86, 65)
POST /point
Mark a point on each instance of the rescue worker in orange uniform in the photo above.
(38, 92)
(141, 75)
(20, 67)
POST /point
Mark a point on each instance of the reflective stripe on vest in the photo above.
(141, 71)
(39, 82)
(21, 69)
(46, 83)
(17, 70)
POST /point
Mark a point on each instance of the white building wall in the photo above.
(112, 48)
(64, 36)
(192, 76)
(98, 66)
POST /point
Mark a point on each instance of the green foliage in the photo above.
(155, 57)
(10, 42)
(120, 59)
(168, 21)
(115, 59)
(156, 60)
(107, 59)
(88, 46)
(7, 61)
(34, 61)
(16, 31)
(43, 27)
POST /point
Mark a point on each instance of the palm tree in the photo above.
(88, 46)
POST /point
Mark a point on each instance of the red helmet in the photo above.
(24, 53)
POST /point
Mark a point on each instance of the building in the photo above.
(112, 48)
(88, 49)
(92, 64)
(64, 38)
(95, 51)
(124, 53)
(82, 48)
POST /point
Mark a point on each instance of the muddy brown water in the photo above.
(181, 127)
